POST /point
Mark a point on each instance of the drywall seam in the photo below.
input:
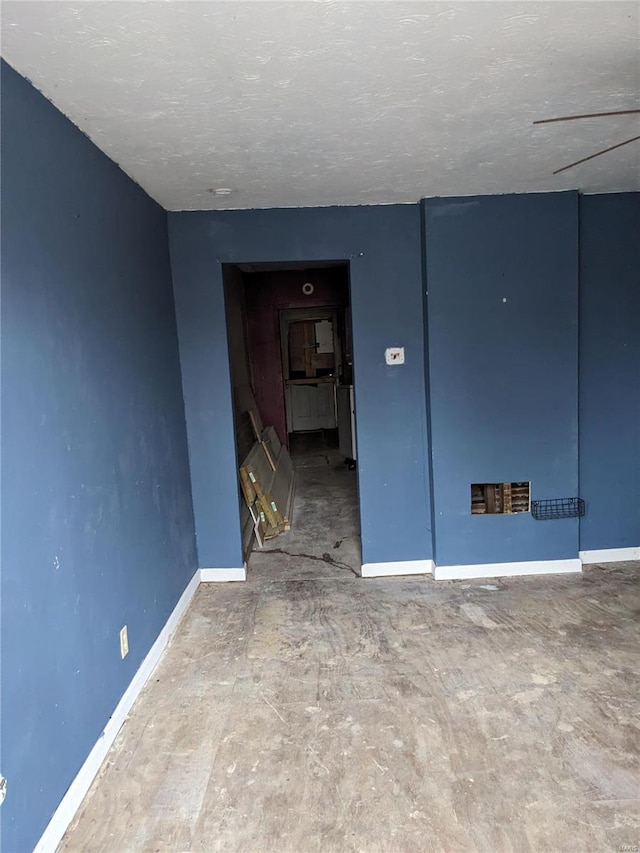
(78, 789)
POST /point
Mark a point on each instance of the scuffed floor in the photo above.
(310, 710)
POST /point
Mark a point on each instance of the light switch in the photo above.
(394, 355)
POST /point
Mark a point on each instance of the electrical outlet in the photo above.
(124, 642)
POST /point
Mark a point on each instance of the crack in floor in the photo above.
(325, 558)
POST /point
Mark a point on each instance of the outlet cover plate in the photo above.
(124, 642)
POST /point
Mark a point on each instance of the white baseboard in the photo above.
(610, 555)
(498, 570)
(223, 575)
(402, 567)
(78, 789)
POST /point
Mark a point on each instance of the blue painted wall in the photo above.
(97, 525)
(610, 370)
(383, 245)
(502, 280)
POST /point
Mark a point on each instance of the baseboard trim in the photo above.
(78, 789)
(610, 555)
(223, 575)
(393, 569)
(498, 570)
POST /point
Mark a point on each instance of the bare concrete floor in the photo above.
(324, 541)
(309, 710)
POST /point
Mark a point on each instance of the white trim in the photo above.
(78, 789)
(610, 555)
(498, 570)
(402, 567)
(223, 575)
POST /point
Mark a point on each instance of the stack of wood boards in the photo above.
(266, 477)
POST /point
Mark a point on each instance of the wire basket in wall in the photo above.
(557, 508)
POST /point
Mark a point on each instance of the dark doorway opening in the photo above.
(291, 365)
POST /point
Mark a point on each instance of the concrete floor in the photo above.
(324, 540)
(309, 710)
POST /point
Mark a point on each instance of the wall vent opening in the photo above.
(499, 498)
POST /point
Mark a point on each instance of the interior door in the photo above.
(302, 349)
(310, 360)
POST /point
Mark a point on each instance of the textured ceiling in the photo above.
(316, 103)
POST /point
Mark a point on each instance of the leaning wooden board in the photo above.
(282, 485)
(270, 436)
(258, 463)
(247, 487)
(256, 477)
(267, 502)
(267, 478)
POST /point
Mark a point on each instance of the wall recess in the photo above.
(500, 498)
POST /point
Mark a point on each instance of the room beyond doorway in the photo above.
(290, 352)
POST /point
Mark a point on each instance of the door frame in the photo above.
(238, 259)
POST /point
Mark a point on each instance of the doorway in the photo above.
(291, 365)
(312, 366)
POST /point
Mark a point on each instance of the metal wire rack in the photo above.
(557, 508)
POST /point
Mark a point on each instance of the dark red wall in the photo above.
(266, 294)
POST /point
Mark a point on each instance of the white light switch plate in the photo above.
(394, 355)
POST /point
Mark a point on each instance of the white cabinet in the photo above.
(311, 406)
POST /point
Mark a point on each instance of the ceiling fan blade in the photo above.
(597, 154)
(587, 115)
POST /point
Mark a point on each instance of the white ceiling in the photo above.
(315, 103)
